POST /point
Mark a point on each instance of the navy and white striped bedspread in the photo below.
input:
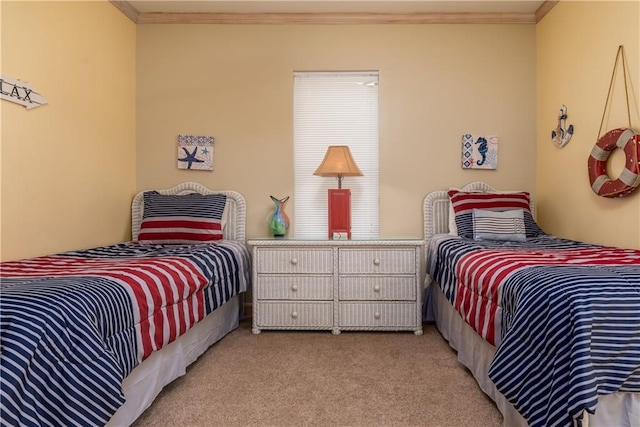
(74, 325)
(570, 332)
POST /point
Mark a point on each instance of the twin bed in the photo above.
(546, 325)
(91, 337)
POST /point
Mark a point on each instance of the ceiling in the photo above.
(334, 11)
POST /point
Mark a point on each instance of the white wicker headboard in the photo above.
(236, 209)
(436, 209)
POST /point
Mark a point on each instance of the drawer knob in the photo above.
(376, 288)
(376, 315)
(294, 314)
(294, 261)
(376, 261)
(294, 288)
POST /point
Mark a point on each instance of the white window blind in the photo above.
(335, 108)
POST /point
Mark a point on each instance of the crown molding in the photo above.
(333, 18)
(126, 8)
(545, 8)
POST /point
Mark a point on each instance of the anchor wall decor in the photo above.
(561, 134)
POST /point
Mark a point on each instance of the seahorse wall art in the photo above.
(479, 151)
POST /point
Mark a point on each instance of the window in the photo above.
(335, 108)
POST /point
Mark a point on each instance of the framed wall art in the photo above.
(479, 151)
(195, 152)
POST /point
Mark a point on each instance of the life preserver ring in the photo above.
(629, 179)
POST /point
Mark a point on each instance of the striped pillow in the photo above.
(504, 226)
(453, 228)
(464, 203)
(182, 219)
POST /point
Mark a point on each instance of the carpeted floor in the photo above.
(319, 379)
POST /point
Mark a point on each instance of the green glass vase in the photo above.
(279, 221)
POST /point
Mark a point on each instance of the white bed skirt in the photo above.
(146, 381)
(614, 410)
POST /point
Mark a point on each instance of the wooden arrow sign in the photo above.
(20, 92)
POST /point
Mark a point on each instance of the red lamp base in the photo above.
(339, 212)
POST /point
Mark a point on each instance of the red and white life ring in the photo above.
(629, 179)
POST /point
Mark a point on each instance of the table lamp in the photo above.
(338, 162)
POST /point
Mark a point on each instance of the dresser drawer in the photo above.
(294, 260)
(377, 261)
(388, 315)
(294, 287)
(359, 285)
(308, 315)
(393, 288)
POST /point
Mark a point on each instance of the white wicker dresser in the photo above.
(337, 285)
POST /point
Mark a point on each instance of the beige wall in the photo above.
(88, 151)
(68, 168)
(576, 50)
(437, 82)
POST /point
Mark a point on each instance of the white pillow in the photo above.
(453, 228)
(495, 225)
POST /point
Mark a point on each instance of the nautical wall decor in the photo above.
(479, 152)
(562, 134)
(20, 92)
(195, 152)
(626, 139)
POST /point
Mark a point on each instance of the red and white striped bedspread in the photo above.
(480, 275)
(165, 283)
(562, 314)
(73, 325)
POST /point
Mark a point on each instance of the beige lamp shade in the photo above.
(338, 162)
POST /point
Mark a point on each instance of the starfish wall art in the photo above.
(195, 152)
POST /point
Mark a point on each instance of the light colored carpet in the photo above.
(319, 379)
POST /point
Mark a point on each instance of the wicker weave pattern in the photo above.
(366, 285)
(394, 315)
(296, 315)
(296, 287)
(295, 261)
(383, 288)
(376, 261)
